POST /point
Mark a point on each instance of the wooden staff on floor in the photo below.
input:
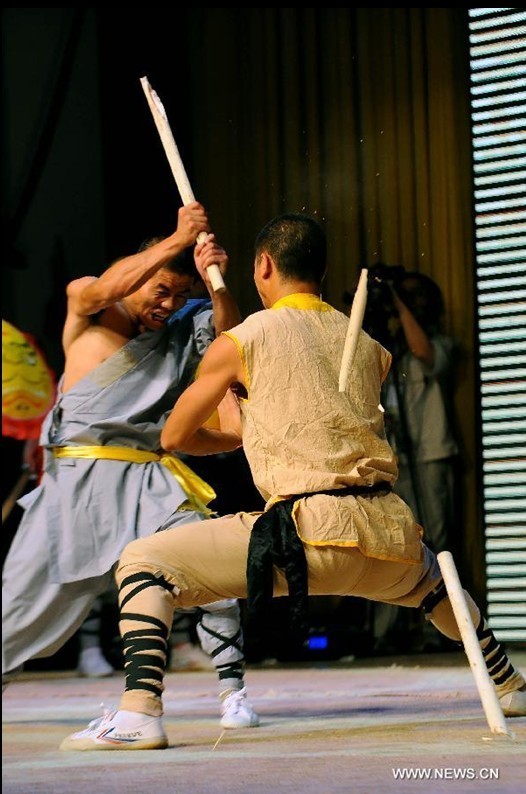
(485, 686)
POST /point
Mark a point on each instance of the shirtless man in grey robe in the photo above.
(106, 480)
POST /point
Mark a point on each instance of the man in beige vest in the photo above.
(319, 457)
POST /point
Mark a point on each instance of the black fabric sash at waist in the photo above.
(275, 542)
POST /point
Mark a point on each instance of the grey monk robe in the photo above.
(85, 511)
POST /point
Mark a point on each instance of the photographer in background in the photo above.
(404, 313)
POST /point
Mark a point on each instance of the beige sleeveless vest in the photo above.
(300, 434)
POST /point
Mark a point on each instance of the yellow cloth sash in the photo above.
(198, 491)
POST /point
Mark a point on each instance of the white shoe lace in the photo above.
(235, 701)
(107, 715)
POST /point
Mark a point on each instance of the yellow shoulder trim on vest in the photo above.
(239, 347)
(303, 300)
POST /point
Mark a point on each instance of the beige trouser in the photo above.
(206, 561)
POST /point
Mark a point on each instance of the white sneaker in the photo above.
(514, 704)
(189, 658)
(119, 730)
(92, 664)
(237, 711)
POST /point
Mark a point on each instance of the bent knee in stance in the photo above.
(147, 554)
(204, 561)
(136, 558)
(150, 559)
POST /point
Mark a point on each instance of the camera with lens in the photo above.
(380, 309)
(380, 279)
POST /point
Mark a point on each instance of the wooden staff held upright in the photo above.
(176, 164)
(353, 329)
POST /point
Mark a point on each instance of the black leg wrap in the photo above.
(143, 580)
(499, 666)
(145, 648)
(230, 670)
(433, 598)
(226, 642)
(141, 665)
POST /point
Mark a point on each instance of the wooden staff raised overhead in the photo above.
(353, 330)
(176, 164)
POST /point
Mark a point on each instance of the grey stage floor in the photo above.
(355, 727)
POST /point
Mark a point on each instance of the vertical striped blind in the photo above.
(498, 114)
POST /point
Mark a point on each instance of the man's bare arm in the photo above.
(418, 341)
(90, 296)
(225, 309)
(220, 368)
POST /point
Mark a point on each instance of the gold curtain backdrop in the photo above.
(359, 117)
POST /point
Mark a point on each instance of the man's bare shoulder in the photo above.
(89, 348)
(88, 340)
